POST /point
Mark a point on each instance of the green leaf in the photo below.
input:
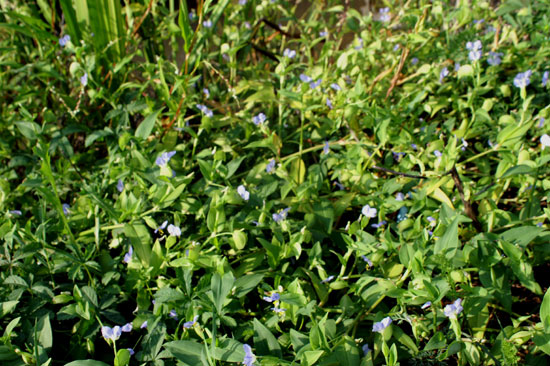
(221, 287)
(522, 235)
(86, 363)
(189, 352)
(122, 357)
(141, 241)
(29, 129)
(245, 284)
(44, 330)
(265, 342)
(448, 244)
(229, 350)
(465, 71)
(146, 126)
(183, 21)
(545, 311)
(518, 170)
(436, 342)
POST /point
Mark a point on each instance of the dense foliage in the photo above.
(266, 183)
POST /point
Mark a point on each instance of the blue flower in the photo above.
(111, 333)
(368, 211)
(161, 227)
(242, 2)
(381, 325)
(323, 34)
(329, 103)
(206, 92)
(207, 23)
(360, 45)
(189, 324)
(305, 78)
(431, 220)
(204, 109)
(274, 297)
(128, 256)
(475, 50)
(366, 349)
(398, 155)
(315, 84)
(270, 166)
(249, 357)
(414, 147)
(84, 79)
(414, 61)
(328, 279)
(545, 141)
(120, 185)
(278, 310)
(66, 208)
(437, 153)
(326, 148)
(241, 190)
(426, 305)
(464, 145)
(444, 72)
(16, 212)
(452, 310)
(127, 327)
(339, 185)
(131, 350)
(541, 122)
(173, 314)
(399, 196)
(368, 261)
(523, 79)
(457, 66)
(335, 86)
(174, 230)
(259, 119)
(143, 325)
(64, 40)
(545, 78)
(164, 158)
(494, 58)
(384, 15)
(379, 225)
(278, 217)
(289, 53)
(396, 47)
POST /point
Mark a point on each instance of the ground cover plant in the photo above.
(261, 182)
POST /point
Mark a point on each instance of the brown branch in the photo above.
(147, 11)
(398, 173)
(468, 209)
(395, 79)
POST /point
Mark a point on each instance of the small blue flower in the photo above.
(204, 109)
(164, 158)
(494, 58)
(414, 61)
(452, 310)
(437, 153)
(128, 255)
(161, 227)
(111, 333)
(174, 230)
(274, 297)
(127, 327)
(523, 79)
(315, 84)
(335, 86)
(16, 212)
(396, 47)
(360, 44)
(278, 310)
(173, 314)
(414, 147)
(398, 155)
(289, 53)
(366, 349)
(206, 92)
(207, 23)
(367, 260)
(384, 15)
(278, 217)
(539, 224)
(464, 144)
(190, 324)
(545, 141)
(323, 34)
(84, 79)
(64, 40)
(143, 325)
(545, 78)
(242, 2)
(426, 305)
(329, 103)
(120, 185)
(339, 185)
(328, 279)
(368, 211)
(541, 122)
(475, 50)
(259, 119)
(326, 148)
(305, 78)
(379, 225)
(241, 190)
(249, 357)
(270, 166)
(444, 72)
(457, 66)
(431, 220)
(381, 325)
(399, 196)
(66, 208)
(131, 350)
